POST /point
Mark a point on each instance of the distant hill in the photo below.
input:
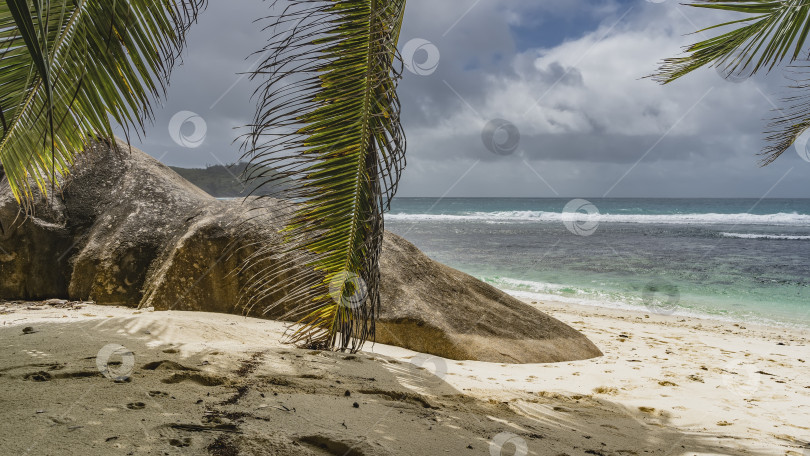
(221, 181)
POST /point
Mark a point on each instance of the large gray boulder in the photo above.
(124, 229)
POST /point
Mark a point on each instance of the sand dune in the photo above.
(203, 383)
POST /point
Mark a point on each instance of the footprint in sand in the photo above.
(167, 365)
(180, 443)
(40, 376)
(183, 373)
(136, 406)
(332, 445)
(198, 378)
(43, 376)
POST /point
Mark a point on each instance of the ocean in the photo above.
(740, 260)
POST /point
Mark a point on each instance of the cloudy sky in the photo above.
(564, 74)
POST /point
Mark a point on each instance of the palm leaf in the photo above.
(328, 124)
(793, 119)
(773, 32)
(69, 68)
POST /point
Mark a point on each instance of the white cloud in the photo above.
(590, 127)
(697, 135)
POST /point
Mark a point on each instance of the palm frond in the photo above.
(793, 120)
(775, 31)
(70, 68)
(328, 124)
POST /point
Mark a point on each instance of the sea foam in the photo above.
(781, 237)
(778, 219)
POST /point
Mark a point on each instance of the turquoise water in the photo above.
(733, 259)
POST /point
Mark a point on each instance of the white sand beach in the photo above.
(204, 383)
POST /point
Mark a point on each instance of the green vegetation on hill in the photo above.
(223, 181)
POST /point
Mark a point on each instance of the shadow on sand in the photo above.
(275, 399)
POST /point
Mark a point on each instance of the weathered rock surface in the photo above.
(127, 230)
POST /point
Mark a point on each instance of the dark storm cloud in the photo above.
(587, 120)
(209, 83)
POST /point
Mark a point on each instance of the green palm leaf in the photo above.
(773, 32)
(328, 124)
(792, 120)
(69, 68)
